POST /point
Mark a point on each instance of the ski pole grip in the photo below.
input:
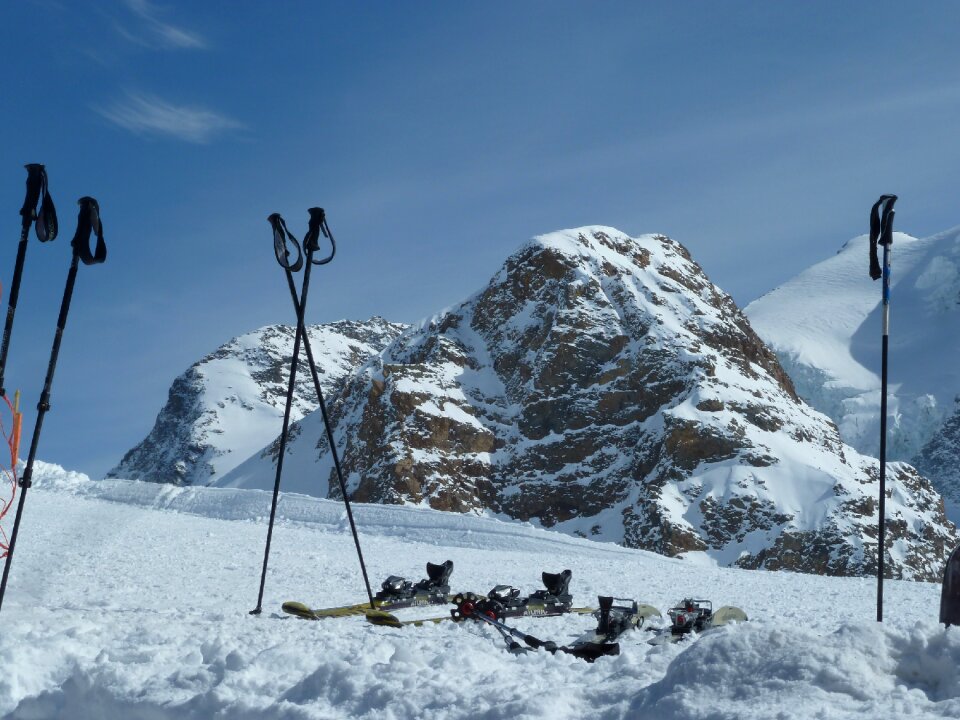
(88, 222)
(311, 242)
(881, 231)
(887, 222)
(35, 174)
(533, 641)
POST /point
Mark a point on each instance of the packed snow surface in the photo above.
(131, 600)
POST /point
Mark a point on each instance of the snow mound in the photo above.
(857, 671)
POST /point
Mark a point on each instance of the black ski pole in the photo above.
(881, 232)
(280, 238)
(312, 239)
(506, 631)
(46, 228)
(87, 222)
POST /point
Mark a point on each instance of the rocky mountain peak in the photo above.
(602, 385)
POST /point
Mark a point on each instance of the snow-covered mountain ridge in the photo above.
(825, 327)
(602, 385)
(229, 404)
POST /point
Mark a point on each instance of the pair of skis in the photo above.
(503, 601)
(46, 226)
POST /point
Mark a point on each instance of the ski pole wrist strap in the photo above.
(281, 236)
(88, 221)
(881, 230)
(46, 227)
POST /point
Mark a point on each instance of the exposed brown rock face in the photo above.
(601, 384)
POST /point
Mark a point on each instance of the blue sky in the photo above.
(439, 137)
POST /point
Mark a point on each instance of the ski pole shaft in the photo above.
(12, 307)
(318, 225)
(28, 213)
(330, 440)
(43, 406)
(87, 222)
(277, 222)
(530, 640)
(881, 232)
(11, 546)
(884, 364)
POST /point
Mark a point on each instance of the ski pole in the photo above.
(881, 232)
(530, 640)
(46, 227)
(310, 238)
(87, 222)
(281, 235)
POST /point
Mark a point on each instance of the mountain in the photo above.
(602, 385)
(825, 324)
(230, 404)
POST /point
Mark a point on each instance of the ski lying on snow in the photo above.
(695, 617)
(503, 601)
(386, 619)
(396, 593)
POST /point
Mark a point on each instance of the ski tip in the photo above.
(728, 614)
(647, 611)
(381, 618)
(298, 609)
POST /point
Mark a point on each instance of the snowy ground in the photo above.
(130, 600)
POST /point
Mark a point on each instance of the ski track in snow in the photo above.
(130, 600)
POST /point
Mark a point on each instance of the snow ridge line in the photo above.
(246, 505)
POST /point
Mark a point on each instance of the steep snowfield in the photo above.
(230, 403)
(130, 600)
(825, 327)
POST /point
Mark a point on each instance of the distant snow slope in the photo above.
(120, 606)
(825, 327)
(229, 404)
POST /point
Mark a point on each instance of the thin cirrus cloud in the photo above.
(149, 115)
(155, 32)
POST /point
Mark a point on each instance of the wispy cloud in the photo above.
(149, 115)
(158, 32)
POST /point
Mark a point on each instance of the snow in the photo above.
(825, 327)
(131, 600)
